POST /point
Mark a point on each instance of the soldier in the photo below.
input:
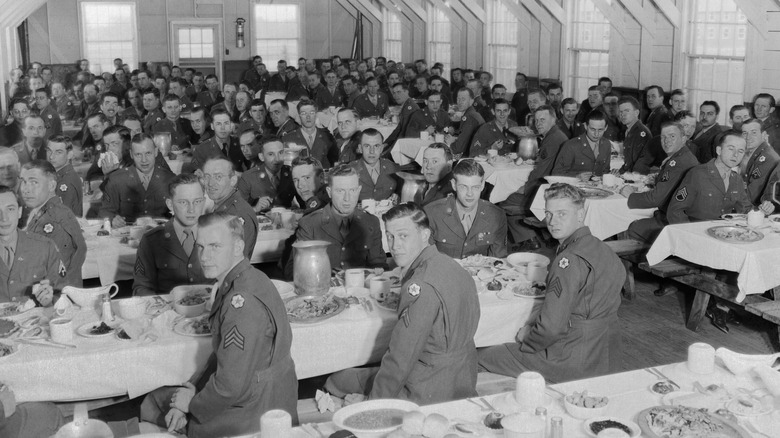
(222, 144)
(372, 103)
(495, 134)
(593, 102)
(331, 95)
(257, 117)
(614, 131)
(210, 96)
(377, 175)
(270, 184)
(588, 152)
(249, 140)
(759, 162)
(347, 135)
(228, 103)
(135, 104)
(31, 147)
(568, 123)
(201, 126)
(251, 337)
(9, 168)
(48, 112)
(280, 116)
(61, 102)
(178, 86)
(220, 179)
(408, 107)
(439, 84)
(764, 110)
(166, 255)
(70, 189)
(463, 225)
(705, 137)
(278, 80)
(431, 357)
(177, 127)
(678, 102)
(636, 152)
(26, 259)
(658, 112)
(576, 334)
(319, 142)
(351, 90)
(137, 190)
(432, 118)
(48, 217)
(737, 115)
(309, 180)
(467, 126)
(11, 133)
(437, 171)
(109, 105)
(151, 101)
(520, 98)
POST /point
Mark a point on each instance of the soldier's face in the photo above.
(502, 113)
(187, 204)
(144, 155)
(134, 126)
(242, 100)
(739, 117)
(113, 144)
(212, 84)
(436, 85)
(628, 114)
(535, 101)
(57, 154)
(467, 190)
(218, 249)
(563, 217)
(41, 100)
(347, 124)
(34, 131)
(400, 95)
(222, 126)
(278, 114)
(752, 134)
(596, 129)
(248, 146)
(344, 192)
(594, 98)
(464, 100)
(258, 114)
(109, 106)
(544, 121)
(434, 103)
(308, 116)
(555, 96)
(176, 89)
(143, 80)
(610, 106)
(762, 108)
(57, 90)
(198, 122)
(306, 181)
(731, 151)
(272, 156)
(349, 87)
(9, 169)
(372, 88)
(435, 165)
(197, 81)
(499, 93)
(219, 179)
(9, 214)
(672, 140)
(570, 112)
(406, 240)
(689, 126)
(96, 128)
(134, 99)
(679, 102)
(707, 115)
(151, 102)
(229, 92)
(35, 187)
(371, 147)
(654, 99)
(172, 109)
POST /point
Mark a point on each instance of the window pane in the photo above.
(392, 31)
(108, 30)
(439, 37)
(590, 47)
(277, 31)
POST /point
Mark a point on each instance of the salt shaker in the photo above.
(541, 412)
(556, 427)
(108, 314)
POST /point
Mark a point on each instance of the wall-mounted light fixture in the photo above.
(240, 32)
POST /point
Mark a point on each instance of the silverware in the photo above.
(370, 305)
(556, 391)
(481, 407)
(44, 343)
(663, 376)
(483, 400)
(753, 429)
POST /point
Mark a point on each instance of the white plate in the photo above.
(761, 406)
(85, 329)
(552, 179)
(347, 411)
(522, 259)
(182, 327)
(635, 430)
(508, 405)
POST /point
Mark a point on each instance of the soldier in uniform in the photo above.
(220, 179)
(377, 175)
(469, 122)
(222, 144)
(463, 225)
(635, 146)
(347, 135)
(319, 142)
(250, 371)
(759, 162)
(257, 120)
(576, 334)
(658, 111)
(270, 184)
(568, 123)
(309, 180)
(614, 131)
(372, 103)
(280, 116)
(30, 419)
(408, 107)
(47, 216)
(166, 255)
(355, 236)
(437, 171)
(48, 112)
(495, 134)
(151, 101)
(173, 124)
(432, 118)
(26, 258)
(32, 146)
(201, 126)
(331, 95)
(680, 160)
(709, 131)
(137, 190)
(178, 86)
(61, 103)
(211, 95)
(431, 357)
(59, 152)
(764, 110)
(520, 97)
(588, 152)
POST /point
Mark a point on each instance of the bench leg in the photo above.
(698, 309)
(629, 292)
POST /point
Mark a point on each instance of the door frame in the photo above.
(218, 46)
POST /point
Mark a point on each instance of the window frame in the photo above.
(253, 33)
(135, 26)
(575, 52)
(503, 74)
(387, 52)
(430, 31)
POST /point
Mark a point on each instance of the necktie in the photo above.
(434, 117)
(212, 296)
(189, 242)
(726, 177)
(145, 181)
(374, 174)
(466, 220)
(8, 256)
(310, 140)
(344, 227)
(596, 150)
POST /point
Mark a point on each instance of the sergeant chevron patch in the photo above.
(233, 337)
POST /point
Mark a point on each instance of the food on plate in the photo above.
(194, 298)
(493, 420)
(122, 334)
(101, 329)
(6, 350)
(413, 422)
(375, 419)
(683, 421)
(494, 285)
(392, 300)
(435, 426)
(200, 326)
(740, 234)
(311, 307)
(598, 426)
(663, 387)
(583, 400)
(7, 327)
(474, 263)
(14, 308)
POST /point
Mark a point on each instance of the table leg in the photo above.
(628, 287)
(698, 308)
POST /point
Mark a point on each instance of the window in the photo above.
(439, 36)
(716, 64)
(502, 43)
(108, 31)
(590, 47)
(393, 32)
(277, 32)
(196, 42)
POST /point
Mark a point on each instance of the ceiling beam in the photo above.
(454, 17)
(539, 13)
(756, 15)
(464, 13)
(614, 19)
(399, 7)
(518, 12)
(645, 20)
(670, 10)
(373, 10)
(475, 9)
(417, 9)
(555, 10)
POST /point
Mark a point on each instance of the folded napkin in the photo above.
(163, 323)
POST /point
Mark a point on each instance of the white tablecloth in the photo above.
(327, 119)
(506, 180)
(756, 263)
(606, 217)
(407, 150)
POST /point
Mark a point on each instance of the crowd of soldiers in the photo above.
(237, 171)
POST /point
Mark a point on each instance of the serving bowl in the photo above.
(189, 311)
(584, 413)
(344, 413)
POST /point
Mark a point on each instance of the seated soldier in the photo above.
(432, 118)
(759, 162)
(355, 236)
(178, 127)
(280, 117)
(463, 224)
(309, 181)
(24, 420)
(437, 171)
(32, 146)
(318, 141)
(270, 184)
(568, 123)
(256, 121)
(495, 134)
(431, 356)
(576, 334)
(347, 135)
(249, 140)
(47, 216)
(222, 144)
(588, 153)
(635, 146)
(30, 264)
(137, 190)
(377, 175)
(220, 180)
(372, 103)
(201, 126)
(166, 256)
(59, 152)
(467, 126)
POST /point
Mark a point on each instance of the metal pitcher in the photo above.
(311, 267)
(413, 189)
(527, 147)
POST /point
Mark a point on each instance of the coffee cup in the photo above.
(439, 138)
(275, 423)
(61, 330)
(492, 153)
(379, 288)
(354, 278)
(701, 358)
(287, 219)
(529, 390)
(424, 135)
(132, 308)
(535, 271)
(609, 180)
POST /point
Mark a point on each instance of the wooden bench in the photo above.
(629, 251)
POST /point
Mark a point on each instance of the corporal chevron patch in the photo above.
(233, 337)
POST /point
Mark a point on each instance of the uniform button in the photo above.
(190, 265)
(11, 282)
(191, 280)
(343, 248)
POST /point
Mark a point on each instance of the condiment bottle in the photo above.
(755, 218)
(541, 412)
(108, 314)
(556, 427)
(107, 225)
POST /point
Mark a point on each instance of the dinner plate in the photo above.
(340, 417)
(290, 303)
(731, 234)
(758, 406)
(388, 305)
(85, 330)
(184, 327)
(633, 427)
(734, 217)
(595, 192)
(11, 309)
(729, 429)
(552, 179)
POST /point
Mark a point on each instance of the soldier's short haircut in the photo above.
(465, 90)
(596, 88)
(682, 115)
(62, 139)
(569, 101)
(306, 102)
(180, 180)
(133, 117)
(657, 87)
(212, 76)
(200, 109)
(19, 100)
(771, 98)
(729, 133)
(677, 92)
(306, 161)
(468, 167)
(554, 86)
(122, 130)
(218, 112)
(42, 165)
(102, 117)
(153, 91)
(233, 223)
(713, 104)
(675, 124)
(232, 166)
(443, 147)
(631, 101)
(141, 138)
(257, 102)
(180, 81)
(6, 189)
(410, 210)
(281, 102)
(736, 108)
(565, 191)
(550, 110)
(596, 115)
(433, 93)
(341, 170)
(348, 110)
(402, 85)
(754, 120)
(170, 97)
(372, 132)
(499, 101)
(604, 79)
(43, 90)
(268, 139)
(539, 92)
(496, 87)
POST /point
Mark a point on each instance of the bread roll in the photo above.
(435, 426)
(413, 422)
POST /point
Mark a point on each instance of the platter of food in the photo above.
(391, 302)
(95, 329)
(313, 309)
(8, 328)
(595, 192)
(501, 162)
(374, 417)
(684, 421)
(195, 327)
(552, 179)
(596, 425)
(15, 308)
(474, 263)
(733, 234)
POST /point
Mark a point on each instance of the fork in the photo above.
(663, 376)
(753, 429)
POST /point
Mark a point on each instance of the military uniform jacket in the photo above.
(65, 107)
(362, 246)
(404, 117)
(577, 334)
(211, 148)
(162, 263)
(771, 125)
(151, 118)
(256, 183)
(422, 119)
(386, 183)
(488, 134)
(252, 371)
(288, 126)
(256, 81)
(701, 196)
(549, 148)
(348, 148)
(656, 118)
(324, 146)
(124, 194)
(52, 120)
(759, 168)
(327, 99)
(519, 103)
(180, 131)
(431, 357)
(10, 134)
(705, 143)
(576, 157)
(575, 130)
(24, 154)
(36, 258)
(207, 100)
(278, 82)
(440, 190)
(58, 223)
(636, 151)
(487, 235)
(365, 108)
(235, 205)
(70, 189)
(669, 176)
(469, 124)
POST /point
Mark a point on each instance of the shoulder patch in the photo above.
(313, 203)
(642, 134)
(672, 163)
(48, 228)
(63, 187)
(237, 301)
(681, 194)
(563, 263)
(761, 159)
(233, 337)
(555, 287)
(414, 289)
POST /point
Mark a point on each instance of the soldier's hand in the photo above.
(497, 145)
(627, 191)
(263, 203)
(44, 293)
(118, 222)
(176, 420)
(767, 207)
(182, 397)
(431, 129)
(520, 336)
(450, 139)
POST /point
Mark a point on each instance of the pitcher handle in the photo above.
(116, 290)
